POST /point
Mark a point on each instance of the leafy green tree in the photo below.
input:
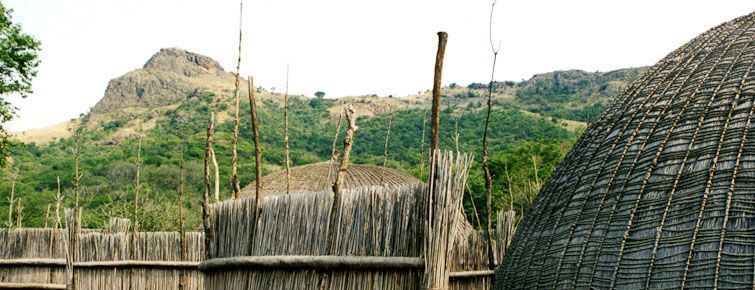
(18, 65)
(320, 94)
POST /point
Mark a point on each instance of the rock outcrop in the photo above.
(169, 75)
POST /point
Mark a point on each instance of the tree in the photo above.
(320, 94)
(18, 65)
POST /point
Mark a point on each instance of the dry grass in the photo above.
(313, 178)
(46, 134)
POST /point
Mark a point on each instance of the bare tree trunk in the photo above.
(11, 201)
(235, 159)
(536, 169)
(387, 140)
(137, 184)
(257, 148)
(76, 175)
(217, 173)
(58, 201)
(208, 187)
(47, 215)
(182, 233)
(474, 207)
(442, 39)
(485, 162)
(422, 151)
(511, 191)
(285, 136)
(434, 145)
(348, 141)
(335, 141)
(19, 213)
(456, 134)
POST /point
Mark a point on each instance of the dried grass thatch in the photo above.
(314, 178)
(659, 193)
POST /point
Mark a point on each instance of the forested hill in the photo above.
(168, 102)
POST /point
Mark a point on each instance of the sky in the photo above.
(346, 47)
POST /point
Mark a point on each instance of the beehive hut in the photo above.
(318, 177)
(660, 192)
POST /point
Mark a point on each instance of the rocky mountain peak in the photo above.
(184, 62)
(168, 76)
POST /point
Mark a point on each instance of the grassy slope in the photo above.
(531, 118)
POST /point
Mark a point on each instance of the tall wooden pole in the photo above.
(137, 184)
(58, 201)
(257, 148)
(387, 140)
(422, 150)
(208, 187)
(442, 39)
(348, 142)
(485, 160)
(335, 141)
(235, 159)
(11, 201)
(216, 169)
(285, 136)
(182, 233)
(436, 276)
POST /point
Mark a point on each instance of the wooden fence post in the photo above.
(208, 154)
(437, 212)
(257, 149)
(442, 39)
(73, 220)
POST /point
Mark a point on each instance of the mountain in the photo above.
(167, 77)
(167, 102)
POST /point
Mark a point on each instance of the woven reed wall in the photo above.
(31, 244)
(470, 253)
(152, 246)
(658, 193)
(46, 247)
(370, 222)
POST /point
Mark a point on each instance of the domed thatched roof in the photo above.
(660, 193)
(314, 178)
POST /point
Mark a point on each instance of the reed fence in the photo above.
(378, 239)
(381, 242)
(113, 258)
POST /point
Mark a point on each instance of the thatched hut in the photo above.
(318, 177)
(660, 192)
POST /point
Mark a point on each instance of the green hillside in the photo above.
(529, 136)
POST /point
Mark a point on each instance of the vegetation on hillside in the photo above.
(528, 137)
(109, 168)
(18, 65)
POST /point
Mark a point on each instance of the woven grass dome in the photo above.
(314, 178)
(660, 192)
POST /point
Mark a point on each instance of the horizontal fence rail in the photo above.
(313, 262)
(10, 285)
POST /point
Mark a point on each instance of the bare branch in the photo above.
(485, 162)
(285, 136)
(442, 40)
(257, 147)
(348, 141)
(235, 159)
(137, 184)
(208, 188)
(335, 141)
